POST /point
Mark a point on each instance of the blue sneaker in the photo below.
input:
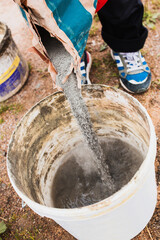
(85, 67)
(135, 75)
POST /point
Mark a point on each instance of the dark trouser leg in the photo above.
(122, 27)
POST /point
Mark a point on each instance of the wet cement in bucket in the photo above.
(74, 186)
(62, 61)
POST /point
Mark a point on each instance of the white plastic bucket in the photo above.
(49, 130)
(13, 67)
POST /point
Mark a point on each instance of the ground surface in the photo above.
(24, 223)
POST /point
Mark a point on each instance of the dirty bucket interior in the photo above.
(49, 131)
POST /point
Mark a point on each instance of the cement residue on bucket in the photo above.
(49, 131)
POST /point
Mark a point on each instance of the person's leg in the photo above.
(123, 31)
(122, 27)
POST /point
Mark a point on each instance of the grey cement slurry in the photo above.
(62, 60)
(73, 188)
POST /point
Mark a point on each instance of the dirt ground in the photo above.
(23, 223)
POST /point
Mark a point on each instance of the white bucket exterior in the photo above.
(119, 217)
(13, 67)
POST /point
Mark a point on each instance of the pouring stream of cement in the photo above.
(61, 59)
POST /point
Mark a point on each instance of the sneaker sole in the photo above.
(125, 86)
(142, 90)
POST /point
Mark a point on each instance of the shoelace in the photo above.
(132, 61)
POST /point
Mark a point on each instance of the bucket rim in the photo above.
(6, 38)
(105, 205)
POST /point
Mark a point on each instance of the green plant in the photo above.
(96, 18)
(25, 234)
(29, 67)
(103, 47)
(93, 30)
(1, 137)
(13, 217)
(156, 4)
(3, 228)
(96, 63)
(3, 108)
(150, 18)
(15, 107)
(1, 120)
